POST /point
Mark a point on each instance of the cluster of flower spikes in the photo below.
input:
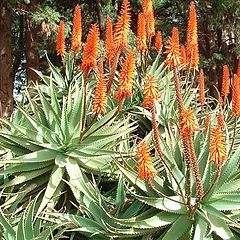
(146, 28)
(118, 40)
(177, 55)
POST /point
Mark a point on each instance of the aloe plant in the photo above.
(19, 224)
(47, 135)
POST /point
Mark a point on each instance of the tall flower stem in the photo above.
(234, 136)
(85, 80)
(113, 67)
(196, 171)
(119, 108)
(188, 147)
(160, 153)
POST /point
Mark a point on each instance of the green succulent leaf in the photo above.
(182, 224)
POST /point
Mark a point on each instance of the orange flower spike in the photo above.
(109, 38)
(183, 56)
(150, 92)
(207, 122)
(126, 77)
(236, 96)
(225, 81)
(141, 33)
(60, 47)
(188, 122)
(100, 97)
(192, 38)
(91, 49)
(217, 145)
(147, 8)
(201, 89)
(220, 119)
(173, 49)
(194, 60)
(158, 42)
(145, 163)
(122, 27)
(77, 30)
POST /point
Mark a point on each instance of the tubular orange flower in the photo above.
(194, 59)
(100, 98)
(141, 33)
(220, 119)
(77, 30)
(192, 38)
(183, 60)
(122, 27)
(150, 92)
(207, 122)
(126, 77)
(147, 8)
(188, 122)
(60, 47)
(201, 89)
(91, 49)
(236, 96)
(158, 42)
(225, 81)
(217, 148)
(109, 38)
(173, 49)
(145, 164)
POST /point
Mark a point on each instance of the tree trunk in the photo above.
(6, 76)
(31, 51)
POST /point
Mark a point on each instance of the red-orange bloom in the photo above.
(147, 8)
(188, 122)
(91, 49)
(158, 42)
(122, 27)
(173, 49)
(217, 146)
(201, 89)
(60, 47)
(141, 33)
(77, 30)
(100, 97)
(220, 119)
(126, 77)
(192, 38)
(109, 39)
(236, 96)
(225, 81)
(150, 92)
(145, 163)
